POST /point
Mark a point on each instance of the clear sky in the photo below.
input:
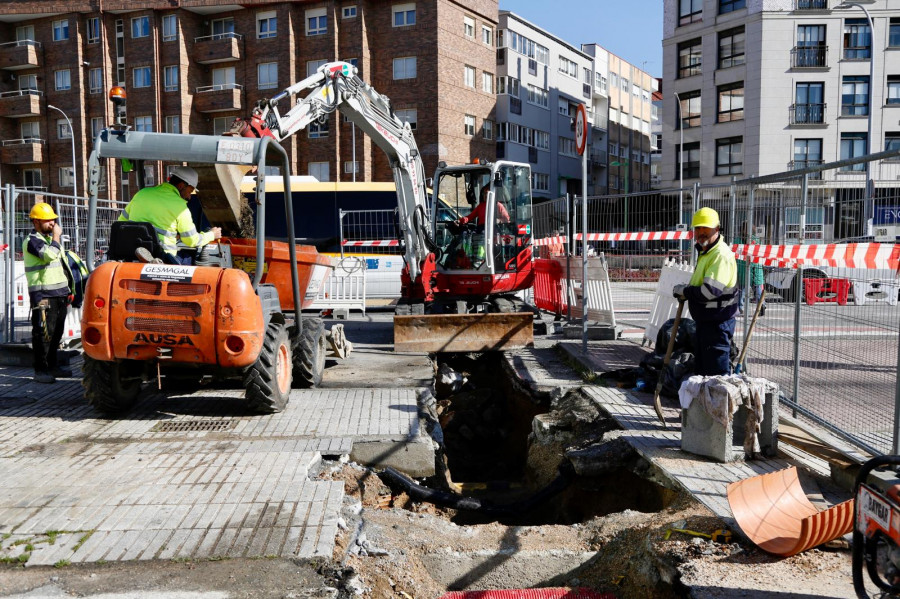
(631, 29)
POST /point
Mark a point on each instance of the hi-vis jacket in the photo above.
(712, 292)
(44, 268)
(166, 210)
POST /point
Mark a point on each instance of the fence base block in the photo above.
(595, 332)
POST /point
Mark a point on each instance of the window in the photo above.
(731, 102)
(142, 77)
(690, 109)
(316, 22)
(143, 123)
(470, 124)
(853, 145)
(469, 27)
(28, 82)
(691, 155)
(313, 65)
(487, 129)
(538, 96)
(810, 51)
(31, 177)
(140, 27)
(567, 147)
(63, 80)
(221, 124)
(25, 33)
(731, 48)
(95, 81)
(894, 33)
(807, 153)
(169, 28)
(540, 181)
(319, 170)
(729, 156)
(404, 14)
(170, 78)
(624, 82)
(508, 85)
(690, 11)
(350, 167)
(60, 30)
(268, 75)
(66, 177)
(96, 126)
(809, 106)
(855, 95)
(405, 68)
(93, 30)
(893, 89)
(689, 58)
(348, 12)
(726, 6)
(318, 129)
(487, 35)
(266, 24)
(223, 78)
(173, 124)
(469, 76)
(892, 142)
(564, 107)
(568, 67)
(815, 222)
(222, 28)
(408, 115)
(857, 39)
(149, 175)
(487, 82)
(63, 131)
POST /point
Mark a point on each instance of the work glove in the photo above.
(678, 291)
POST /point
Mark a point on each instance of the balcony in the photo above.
(222, 47)
(515, 105)
(20, 103)
(807, 114)
(22, 151)
(19, 55)
(598, 157)
(218, 98)
(811, 4)
(809, 57)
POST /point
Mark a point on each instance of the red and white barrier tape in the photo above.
(638, 236)
(3, 247)
(371, 243)
(558, 240)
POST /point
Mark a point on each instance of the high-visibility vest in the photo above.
(166, 210)
(43, 268)
(715, 299)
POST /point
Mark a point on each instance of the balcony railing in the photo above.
(799, 165)
(221, 47)
(218, 98)
(218, 87)
(22, 54)
(807, 114)
(811, 4)
(22, 151)
(809, 57)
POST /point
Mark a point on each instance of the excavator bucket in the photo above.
(463, 332)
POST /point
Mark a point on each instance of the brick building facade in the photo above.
(191, 66)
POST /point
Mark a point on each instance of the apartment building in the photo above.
(193, 65)
(764, 86)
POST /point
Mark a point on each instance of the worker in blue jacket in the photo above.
(712, 295)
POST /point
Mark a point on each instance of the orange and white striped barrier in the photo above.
(371, 243)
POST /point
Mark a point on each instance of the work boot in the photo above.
(44, 377)
(62, 373)
(144, 255)
(762, 310)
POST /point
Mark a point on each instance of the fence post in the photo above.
(584, 261)
(695, 201)
(341, 230)
(798, 297)
(10, 330)
(570, 236)
(747, 265)
(732, 196)
(895, 442)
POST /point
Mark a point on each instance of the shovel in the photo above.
(739, 367)
(656, 405)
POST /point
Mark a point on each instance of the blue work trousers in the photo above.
(713, 347)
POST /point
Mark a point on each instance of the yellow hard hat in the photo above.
(705, 217)
(42, 211)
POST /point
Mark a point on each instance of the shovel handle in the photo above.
(659, 383)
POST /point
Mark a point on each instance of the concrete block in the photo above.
(595, 332)
(702, 435)
(341, 313)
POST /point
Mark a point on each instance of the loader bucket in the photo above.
(463, 332)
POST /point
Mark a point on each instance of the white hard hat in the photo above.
(186, 174)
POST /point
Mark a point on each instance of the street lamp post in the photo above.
(71, 137)
(870, 189)
(680, 163)
(624, 163)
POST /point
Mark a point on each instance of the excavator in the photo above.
(460, 279)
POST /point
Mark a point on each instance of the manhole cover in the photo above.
(193, 426)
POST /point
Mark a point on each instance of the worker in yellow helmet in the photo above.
(165, 207)
(712, 295)
(48, 291)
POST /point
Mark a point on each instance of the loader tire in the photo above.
(106, 387)
(309, 359)
(268, 380)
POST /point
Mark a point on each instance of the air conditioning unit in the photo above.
(760, 231)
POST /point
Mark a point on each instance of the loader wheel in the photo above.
(268, 381)
(309, 359)
(110, 387)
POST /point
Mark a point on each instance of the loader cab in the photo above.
(483, 219)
